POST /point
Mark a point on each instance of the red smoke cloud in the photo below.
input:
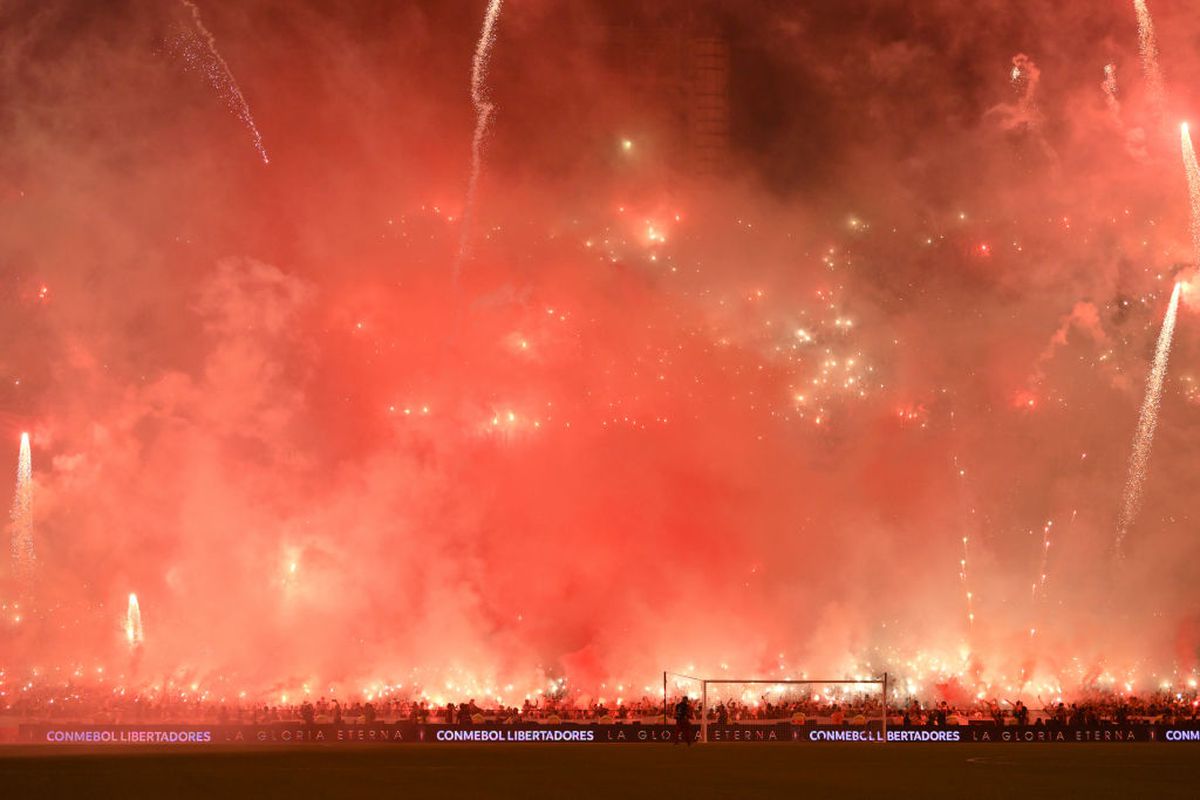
(621, 441)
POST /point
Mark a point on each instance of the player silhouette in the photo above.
(683, 721)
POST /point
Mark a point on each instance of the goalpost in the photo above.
(704, 684)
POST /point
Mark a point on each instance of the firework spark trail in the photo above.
(963, 562)
(219, 76)
(1148, 46)
(133, 622)
(484, 109)
(1143, 439)
(1024, 114)
(1192, 168)
(1025, 77)
(1109, 85)
(1148, 418)
(1040, 583)
(22, 519)
(966, 581)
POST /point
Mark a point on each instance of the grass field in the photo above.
(962, 771)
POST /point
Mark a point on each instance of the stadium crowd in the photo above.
(122, 708)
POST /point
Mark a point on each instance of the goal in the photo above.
(755, 701)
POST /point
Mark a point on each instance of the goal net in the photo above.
(823, 704)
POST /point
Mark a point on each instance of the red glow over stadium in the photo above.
(528, 351)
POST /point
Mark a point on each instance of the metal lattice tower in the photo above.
(708, 104)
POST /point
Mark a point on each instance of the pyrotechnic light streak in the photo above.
(963, 574)
(221, 78)
(23, 557)
(1143, 439)
(133, 622)
(484, 110)
(1040, 583)
(1192, 169)
(1148, 46)
(1039, 586)
(1148, 419)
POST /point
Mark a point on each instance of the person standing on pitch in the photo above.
(683, 721)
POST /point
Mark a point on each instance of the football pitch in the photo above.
(615, 772)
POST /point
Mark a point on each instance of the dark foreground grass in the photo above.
(615, 772)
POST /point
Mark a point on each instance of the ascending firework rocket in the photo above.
(484, 109)
(133, 622)
(200, 53)
(22, 520)
(1143, 439)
